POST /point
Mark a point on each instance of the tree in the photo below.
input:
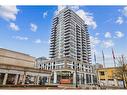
(121, 70)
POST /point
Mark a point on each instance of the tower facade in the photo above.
(70, 53)
(69, 37)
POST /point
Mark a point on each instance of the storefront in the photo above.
(15, 75)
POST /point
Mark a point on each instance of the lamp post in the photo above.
(76, 76)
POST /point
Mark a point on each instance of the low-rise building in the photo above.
(110, 77)
(68, 71)
(19, 69)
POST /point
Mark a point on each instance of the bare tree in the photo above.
(121, 70)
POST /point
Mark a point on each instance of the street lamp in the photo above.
(76, 76)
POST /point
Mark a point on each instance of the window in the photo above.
(49, 63)
(40, 65)
(102, 73)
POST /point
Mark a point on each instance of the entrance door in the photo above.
(11, 79)
(1, 78)
(66, 77)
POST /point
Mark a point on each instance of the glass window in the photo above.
(102, 73)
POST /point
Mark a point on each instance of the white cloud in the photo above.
(119, 20)
(14, 27)
(86, 16)
(119, 34)
(108, 43)
(38, 41)
(8, 12)
(124, 11)
(107, 35)
(46, 42)
(49, 41)
(60, 7)
(94, 41)
(72, 7)
(109, 20)
(33, 27)
(93, 50)
(21, 38)
(97, 34)
(45, 14)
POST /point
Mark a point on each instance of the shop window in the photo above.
(102, 73)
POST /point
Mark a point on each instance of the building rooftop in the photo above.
(16, 58)
(15, 52)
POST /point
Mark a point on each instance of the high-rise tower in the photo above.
(69, 37)
(69, 50)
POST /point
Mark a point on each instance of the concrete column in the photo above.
(84, 78)
(106, 78)
(35, 80)
(74, 78)
(91, 79)
(38, 79)
(98, 77)
(49, 79)
(65, 61)
(5, 79)
(16, 79)
(116, 82)
(20, 78)
(79, 79)
(23, 80)
(55, 77)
